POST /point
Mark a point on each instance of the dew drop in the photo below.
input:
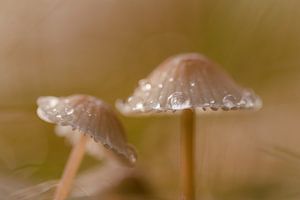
(148, 86)
(59, 116)
(156, 106)
(192, 84)
(160, 85)
(229, 101)
(153, 105)
(250, 100)
(131, 155)
(53, 102)
(132, 158)
(145, 85)
(206, 104)
(136, 103)
(171, 79)
(48, 102)
(139, 106)
(69, 111)
(129, 99)
(178, 101)
(44, 115)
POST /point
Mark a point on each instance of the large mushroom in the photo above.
(188, 83)
(92, 118)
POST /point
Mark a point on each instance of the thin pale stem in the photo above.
(64, 186)
(187, 154)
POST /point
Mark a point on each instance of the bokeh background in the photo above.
(103, 47)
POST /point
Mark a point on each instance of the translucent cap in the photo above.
(87, 115)
(188, 81)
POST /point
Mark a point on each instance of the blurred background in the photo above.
(103, 47)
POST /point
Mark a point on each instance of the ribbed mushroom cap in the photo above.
(88, 115)
(188, 81)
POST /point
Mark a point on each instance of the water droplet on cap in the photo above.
(153, 105)
(135, 103)
(178, 101)
(59, 116)
(131, 154)
(145, 85)
(148, 86)
(229, 101)
(249, 100)
(206, 104)
(129, 99)
(139, 106)
(132, 158)
(69, 111)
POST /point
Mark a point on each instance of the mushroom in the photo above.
(188, 83)
(91, 117)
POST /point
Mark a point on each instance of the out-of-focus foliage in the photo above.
(103, 48)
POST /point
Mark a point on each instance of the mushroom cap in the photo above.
(90, 116)
(188, 81)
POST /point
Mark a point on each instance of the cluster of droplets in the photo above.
(247, 100)
(142, 101)
(81, 116)
(55, 110)
(250, 100)
(138, 103)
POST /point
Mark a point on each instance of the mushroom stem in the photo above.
(71, 168)
(187, 154)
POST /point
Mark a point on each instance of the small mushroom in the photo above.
(91, 117)
(188, 83)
